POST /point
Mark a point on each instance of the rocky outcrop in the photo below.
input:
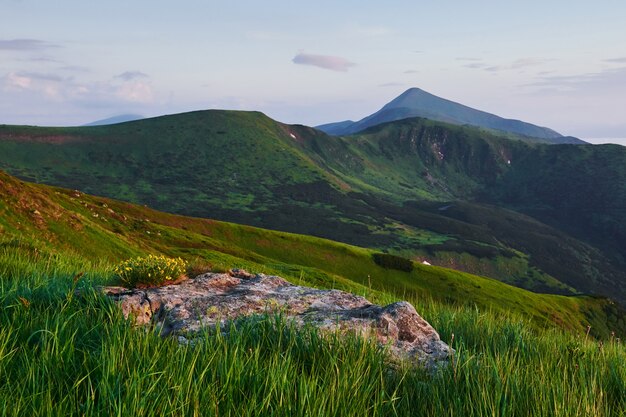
(214, 299)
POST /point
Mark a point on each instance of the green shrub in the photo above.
(388, 261)
(150, 270)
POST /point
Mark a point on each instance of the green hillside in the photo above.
(45, 223)
(421, 189)
(67, 354)
(471, 184)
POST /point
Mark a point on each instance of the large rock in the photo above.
(213, 299)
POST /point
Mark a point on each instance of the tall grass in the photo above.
(63, 355)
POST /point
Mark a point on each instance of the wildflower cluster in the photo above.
(149, 270)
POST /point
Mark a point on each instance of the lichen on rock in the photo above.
(214, 299)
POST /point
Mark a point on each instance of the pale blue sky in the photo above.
(68, 62)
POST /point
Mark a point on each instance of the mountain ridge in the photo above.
(416, 102)
(383, 188)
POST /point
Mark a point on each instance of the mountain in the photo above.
(59, 228)
(454, 196)
(116, 119)
(335, 128)
(415, 102)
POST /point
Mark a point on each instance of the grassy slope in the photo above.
(244, 167)
(39, 220)
(67, 355)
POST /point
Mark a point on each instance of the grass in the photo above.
(382, 188)
(66, 355)
(78, 229)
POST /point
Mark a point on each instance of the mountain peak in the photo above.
(414, 98)
(416, 102)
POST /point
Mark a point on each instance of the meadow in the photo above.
(63, 354)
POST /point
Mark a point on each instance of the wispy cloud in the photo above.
(25, 45)
(39, 76)
(527, 62)
(131, 75)
(329, 62)
(621, 60)
(613, 80)
(52, 87)
(522, 63)
(411, 71)
(45, 86)
(41, 59)
(475, 65)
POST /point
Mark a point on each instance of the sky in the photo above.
(560, 64)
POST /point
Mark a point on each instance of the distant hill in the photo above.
(336, 128)
(116, 119)
(418, 103)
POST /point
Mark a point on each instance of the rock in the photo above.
(213, 299)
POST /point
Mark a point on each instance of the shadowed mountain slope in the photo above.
(47, 225)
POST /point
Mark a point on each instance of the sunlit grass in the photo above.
(63, 354)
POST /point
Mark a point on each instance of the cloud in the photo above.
(41, 59)
(609, 80)
(47, 86)
(527, 62)
(25, 45)
(23, 80)
(135, 91)
(131, 75)
(56, 88)
(621, 60)
(392, 84)
(333, 63)
(13, 80)
(40, 76)
(476, 63)
(411, 71)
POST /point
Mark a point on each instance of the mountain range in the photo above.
(416, 102)
(115, 119)
(545, 217)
